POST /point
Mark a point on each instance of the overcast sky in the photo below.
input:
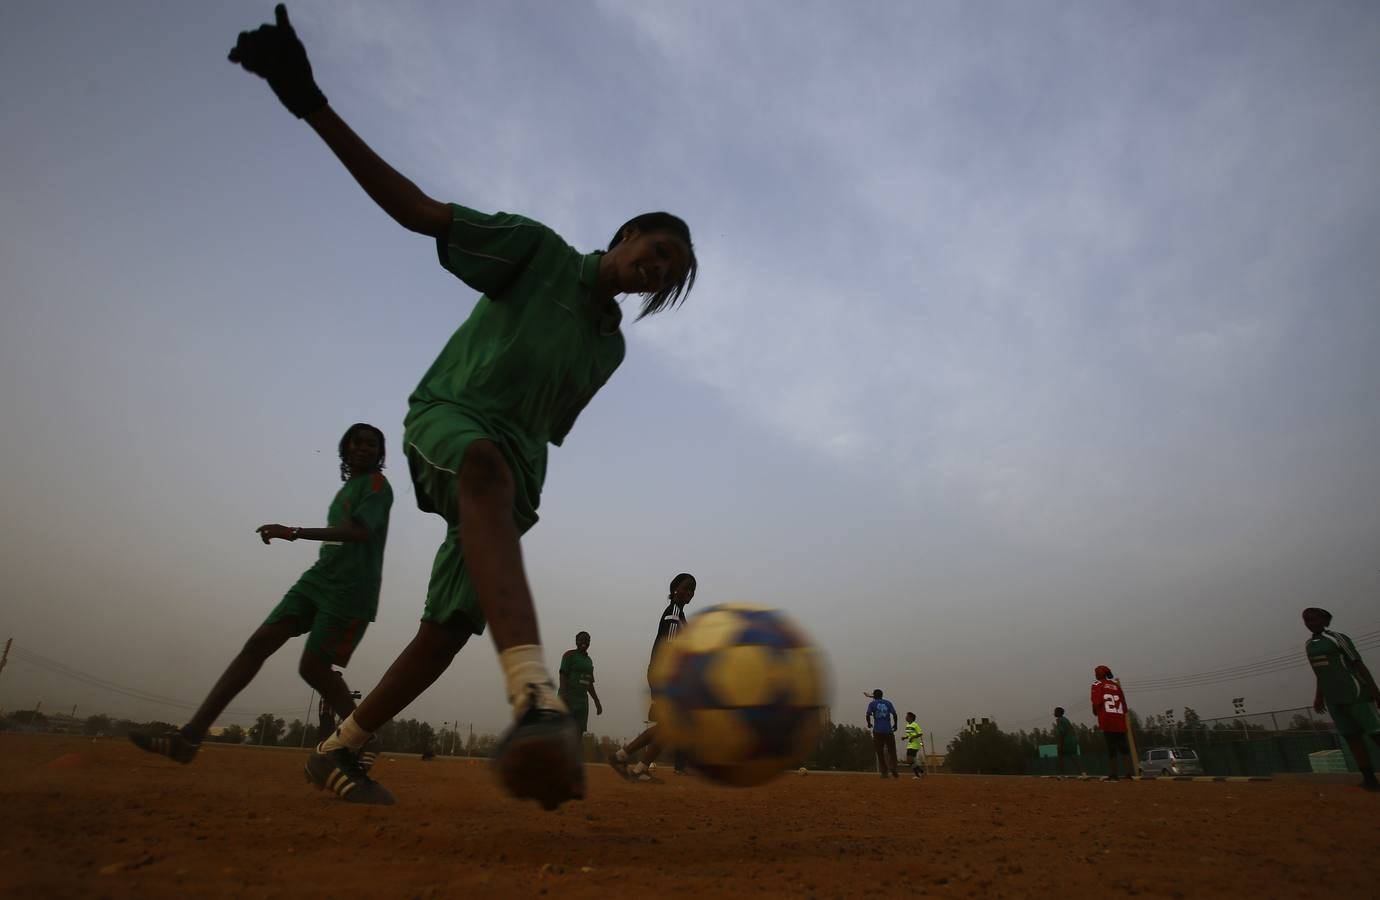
(1028, 336)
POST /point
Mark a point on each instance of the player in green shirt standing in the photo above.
(915, 747)
(577, 683)
(1066, 740)
(1345, 688)
(332, 603)
(542, 339)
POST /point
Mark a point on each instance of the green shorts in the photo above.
(1360, 717)
(330, 637)
(435, 440)
(579, 711)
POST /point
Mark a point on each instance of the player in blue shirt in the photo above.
(882, 721)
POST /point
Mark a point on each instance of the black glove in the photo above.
(274, 52)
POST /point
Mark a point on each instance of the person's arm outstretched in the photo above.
(353, 533)
(275, 53)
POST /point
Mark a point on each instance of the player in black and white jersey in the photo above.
(671, 624)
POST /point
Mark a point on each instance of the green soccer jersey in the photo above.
(914, 736)
(1334, 659)
(1064, 734)
(346, 577)
(534, 350)
(578, 670)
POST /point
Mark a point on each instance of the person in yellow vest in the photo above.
(915, 747)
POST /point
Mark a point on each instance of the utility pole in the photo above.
(5, 657)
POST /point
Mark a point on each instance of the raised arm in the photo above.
(274, 53)
(387, 187)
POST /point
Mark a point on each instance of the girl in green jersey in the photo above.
(542, 339)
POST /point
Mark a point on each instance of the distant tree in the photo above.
(1192, 721)
(266, 730)
(230, 734)
(1301, 722)
(98, 724)
(30, 717)
(296, 734)
(986, 749)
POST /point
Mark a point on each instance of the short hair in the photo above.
(1326, 616)
(683, 576)
(580, 634)
(345, 444)
(673, 295)
(1058, 710)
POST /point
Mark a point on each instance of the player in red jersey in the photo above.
(1109, 705)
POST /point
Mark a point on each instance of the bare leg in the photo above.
(489, 538)
(646, 739)
(262, 644)
(419, 665)
(329, 683)
(1360, 752)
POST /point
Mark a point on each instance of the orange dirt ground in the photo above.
(101, 819)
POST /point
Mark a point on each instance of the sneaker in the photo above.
(915, 778)
(339, 771)
(539, 757)
(171, 744)
(368, 754)
(1372, 786)
(895, 774)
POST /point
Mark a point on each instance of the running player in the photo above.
(541, 341)
(332, 603)
(1346, 689)
(1066, 740)
(1109, 705)
(577, 683)
(670, 625)
(915, 747)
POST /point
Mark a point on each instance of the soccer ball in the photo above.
(804, 771)
(740, 691)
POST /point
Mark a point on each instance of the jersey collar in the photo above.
(608, 319)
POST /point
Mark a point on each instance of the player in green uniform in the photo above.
(542, 339)
(915, 746)
(332, 603)
(577, 683)
(1345, 688)
(1066, 740)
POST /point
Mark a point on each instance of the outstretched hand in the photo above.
(281, 532)
(274, 52)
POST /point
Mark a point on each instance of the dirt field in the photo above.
(101, 819)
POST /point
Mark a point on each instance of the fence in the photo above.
(1265, 743)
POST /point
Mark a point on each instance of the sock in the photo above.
(189, 736)
(639, 768)
(349, 736)
(523, 665)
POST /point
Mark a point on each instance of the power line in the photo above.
(1262, 666)
(60, 668)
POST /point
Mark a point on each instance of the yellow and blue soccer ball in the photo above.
(741, 692)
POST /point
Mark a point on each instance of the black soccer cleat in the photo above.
(338, 771)
(166, 743)
(538, 758)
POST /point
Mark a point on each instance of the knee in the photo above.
(314, 671)
(485, 478)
